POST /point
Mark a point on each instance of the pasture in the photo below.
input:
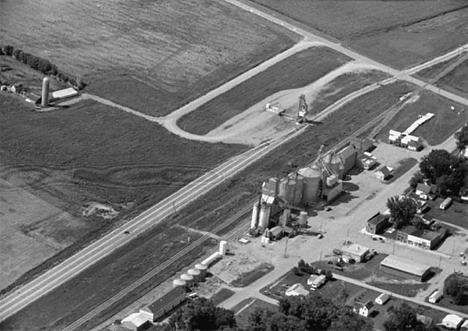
(399, 33)
(181, 48)
(100, 164)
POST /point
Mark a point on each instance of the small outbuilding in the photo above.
(355, 251)
(424, 191)
(377, 223)
(383, 173)
(382, 299)
(296, 290)
(366, 308)
(136, 322)
(64, 94)
(165, 304)
(405, 268)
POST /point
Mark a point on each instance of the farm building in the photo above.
(377, 223)
(383, 173)
(365, 309)
(165, 304)
(424, 239)
(401, 267)
(382, 299)
(414, 145)
(366, 161)
(348, 159)
(452, 321)
(276, 233)
(315, 281)
(136, 322)
(64, 94)
(296, 290)
(355, 251)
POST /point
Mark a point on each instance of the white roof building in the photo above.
(452, 321)
(65, 93)
(136, 321)
(296, 290)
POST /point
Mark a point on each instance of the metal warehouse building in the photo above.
(401, 267)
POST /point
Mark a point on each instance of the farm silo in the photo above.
(298, 190)
(311, 185)
(255, 214)
(303, 218)
(179, 282)
(45, 92)
(203, 268)
(195, 273)
(187, 278)
(264, 217)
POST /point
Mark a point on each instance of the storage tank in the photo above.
(264, 217)
(290, 189)
(45, 92)
(179, 282)
(187, 278)
(311, 185)
(298, 190)
(282, 187)
(255, 213)
(222, 247)
(303, 218)
(202, 268)
(196, 274)
(209, 260)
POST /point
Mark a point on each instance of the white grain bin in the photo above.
(212, 258)
(45, 91)
(202, 268)
(187, 278)
(298, 190)
(179, 282)
(255, 214)
(311, 186)
(195, 273)
(264, 217)
(222, 247)
(303, 218)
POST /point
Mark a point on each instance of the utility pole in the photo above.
(286, 247)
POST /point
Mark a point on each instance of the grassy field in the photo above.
(437, 129)
(81, 294)
(401, 33)
(455, 214)
(182, 48)
(246, 307)
(296, 71)
(91, 154)
(455, 81)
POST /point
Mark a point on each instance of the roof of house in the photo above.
(406, 265)
(172, 297)
(369, 304)
(423, 188)
(452, 319)
(383, 297)
(296, 289)
(355, 249)
(384, 170)
(414, 143)
(136, 319)
(424, 234)
(378, 218)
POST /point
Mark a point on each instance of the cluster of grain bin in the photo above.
(193, 276)
(311, 185)
(290, 189)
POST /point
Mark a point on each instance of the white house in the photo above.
(366, 308)
(452, 321)
(424, 191)
(382, 299)
(296, 290)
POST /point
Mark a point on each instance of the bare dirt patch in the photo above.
(401, 33)
(297, 71)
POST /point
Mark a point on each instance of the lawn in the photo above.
(246, 307)
(221, 295)
(437, 129)
(455, 214)
(455, 81)
(296, 71)
(92, 153)
(107, 277)
(402, 167)
(182, 48)
(401, 33)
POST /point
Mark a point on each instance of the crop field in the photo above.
(296, 71)
(400, 33)
(182, 48)
(89, 156)
(435, 131)
(104, 279)
(455, 81)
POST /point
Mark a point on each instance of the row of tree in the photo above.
(457, 288)
(40, 64)
(313, 312)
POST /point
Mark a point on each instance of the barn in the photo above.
(401, 267)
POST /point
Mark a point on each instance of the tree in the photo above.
(456, 288)
(403, 318)
(416, 179)
(350, 321)
(418, 223)
(402, 210)
(8, 50)
(462, 138)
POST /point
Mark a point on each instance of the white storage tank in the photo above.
(179, 282)
(303, 218)
(187, 278)
(202, 268)
(264, 217)
(195, 273)
(255, 214)
(222, 247)
(213, 257)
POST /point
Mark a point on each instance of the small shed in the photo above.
(377, 223)
(383, 173)
(276, 233)
(382, 299)
(355, 251)
(136, 322)
(65, 93)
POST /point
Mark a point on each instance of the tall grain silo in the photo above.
(303, 218)
(298, 190)
(195, 273)
(45, 91)
(311, 185)
(179, 283)
(283, 187)
(255, 215)
(264, 218)
(222, 247)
